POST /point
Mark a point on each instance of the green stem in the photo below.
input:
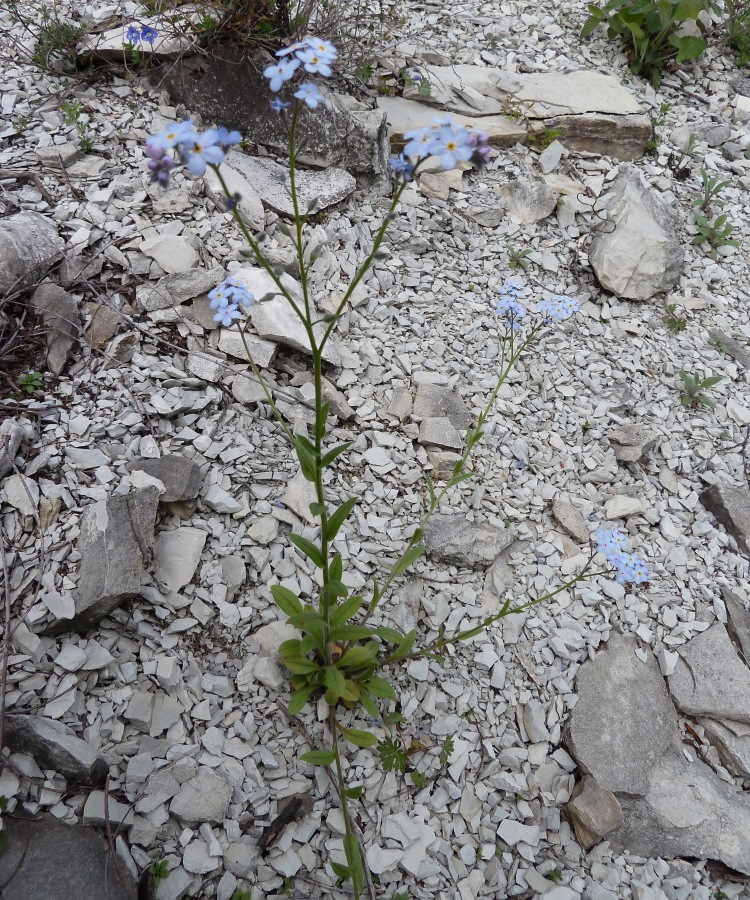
(334, 725)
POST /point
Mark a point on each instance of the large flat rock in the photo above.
(29, 245)
(594, 112)
(47, 860)
(731, 506)
(624, 732)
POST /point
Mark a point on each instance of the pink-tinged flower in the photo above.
(226, 316)
(280, 73)
(160, 164)
(309, 94)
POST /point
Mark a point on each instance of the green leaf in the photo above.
(287, 601)
(350, 633)
(333, 454)
(447, 750)
(402, 564)
(472, 632)
(346, 610)
(333, 679)
(308, 548)
(299, 665)
(299, 698)
(353, 793)
(336, 568)
(358, 656)
(291, 648)
(379, 687)
(318, 509)
(405, 646)
(338, 518)
(430, 490)
(688, 9)
(320, 422)
(389, 634)
(342, 872)
(688, 46)
(369, 704)
(418, 779)
(307, 460)
(353, 857)
(359, 738)
(392, 756)
(318, 757)
(457, 479)
(710, 382)
(335, 588)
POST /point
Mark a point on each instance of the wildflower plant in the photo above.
(341, 654)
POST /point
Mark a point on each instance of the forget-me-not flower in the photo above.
(179, 133)
(202, 151)
(280, 73)
(558, 308)
(309, 94)
(628, 567)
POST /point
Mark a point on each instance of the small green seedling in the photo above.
(517, 258)
(30, 382)
(693, 387)
(241, 894)
(715, 232)
(709, 194)
(158, 871)
(71, 109)
(545, 137)
(673, 322)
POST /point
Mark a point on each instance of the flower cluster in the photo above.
(226, 300)
(451, 142)
(630, 569)
(195, 150)
(558, 308)
(509, 305)
(315, 56)
(145, 35)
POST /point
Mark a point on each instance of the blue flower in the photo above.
(558, 308)
(149, 35)
(202, 151)
(509, 305)
(314, 63)
(418, 142)
(629, 568)
(452, 145)
(227, 315)
(401, 166)
(278, 105)
(179, 133)
(133, 35)
(277, 75)
(226, 138)
(309, 94)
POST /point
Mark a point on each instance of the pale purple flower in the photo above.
(452, 145)
(418, 142)
(202, 152)
(315, 63)
(179, 133)
(226, 138)
(160, 164)
(278, 105)
(558, 308)
(401, 166)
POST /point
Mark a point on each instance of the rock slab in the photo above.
(29, 245)
(116, 540)
(454, 540)
(624, 732)
(731, 506)
(61, 320)
(47, 860)
(638, 254)
(55, 746)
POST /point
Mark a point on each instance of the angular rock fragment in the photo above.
(29, 245)
(115, 543)
(570, 518)
(639, 253)
(439, 432)
(454, 540)
(177, 554)
(632, 442)
(203, 798)
(594, 812)
(11, 436)
(710, 679)
(738, 623)
(528, 201)
(182, 478)
(437, 401)
(55, 746)
(61, 320)
(731, 506)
